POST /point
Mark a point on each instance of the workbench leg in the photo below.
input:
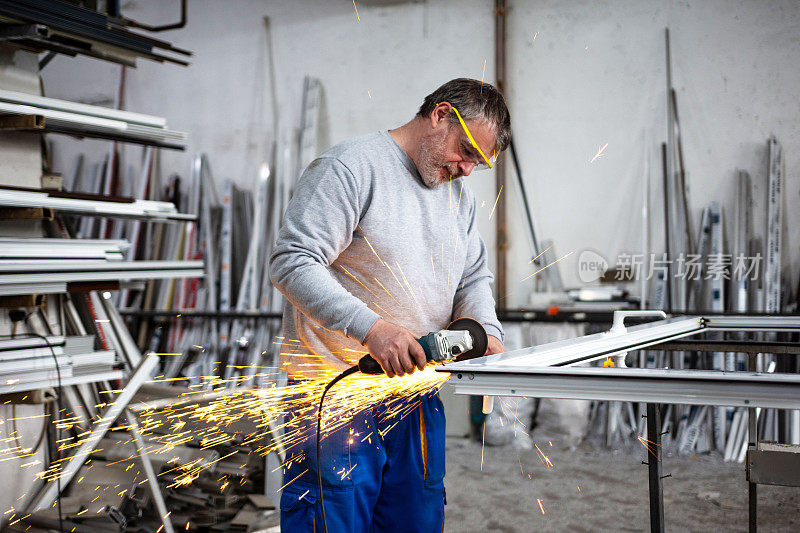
(752, 442)
(654, 468)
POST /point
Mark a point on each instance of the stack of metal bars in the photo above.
(83, 120)
(55, 263)
(70, 29)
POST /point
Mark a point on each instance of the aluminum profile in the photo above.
(61, 249)
(55, 104)
(92, 377)
(693, 387)
(140, 209)
(62, 116)
(46, 277)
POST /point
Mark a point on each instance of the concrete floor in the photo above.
(703, 494)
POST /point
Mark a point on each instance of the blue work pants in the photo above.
(379, 474)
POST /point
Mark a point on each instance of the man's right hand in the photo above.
(395, 348)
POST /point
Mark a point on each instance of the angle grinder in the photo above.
(463, 339)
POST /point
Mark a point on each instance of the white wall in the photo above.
(593, 75)
(20, 165)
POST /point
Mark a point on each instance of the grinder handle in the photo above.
(368, 365)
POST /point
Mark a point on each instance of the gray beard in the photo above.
(431, 155)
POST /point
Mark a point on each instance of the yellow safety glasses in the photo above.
(468, 149)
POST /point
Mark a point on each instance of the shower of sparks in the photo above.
(547, 266)
(650, 445)
(482, 75)
(599, 153)
(495, 202)
(354, 7)
(205, 413)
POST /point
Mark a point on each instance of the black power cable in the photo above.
(349, 371)
(58, 404)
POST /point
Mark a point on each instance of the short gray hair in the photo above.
(475, 100)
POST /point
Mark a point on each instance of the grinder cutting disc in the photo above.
(479, 339)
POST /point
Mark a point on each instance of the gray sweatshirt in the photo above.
(363, 237)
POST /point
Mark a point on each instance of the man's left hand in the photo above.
(494, 345)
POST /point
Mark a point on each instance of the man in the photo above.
(379, 247)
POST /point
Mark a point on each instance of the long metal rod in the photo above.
(122, 267)
(765, 322)
(94, 377)
(14, 97)
(152, 480)
(733, 346)
(501, 229)
(668, 286)
(688, 387)
(98, 125)
(171, 313)
(144, 209)
(526, 203)
(752, 443)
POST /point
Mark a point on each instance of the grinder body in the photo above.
(464, 338)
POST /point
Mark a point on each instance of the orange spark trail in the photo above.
(385, 311)
(413, 295)
(482, 75)
(358, 280)
(495, 202)
(483, 444)
(547, 266)
(646, 443)
(540, 255)
(387, 292)
(599, 153)
(354, 7)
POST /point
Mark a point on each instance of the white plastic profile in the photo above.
(618, 327)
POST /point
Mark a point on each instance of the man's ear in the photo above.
(440, 113)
